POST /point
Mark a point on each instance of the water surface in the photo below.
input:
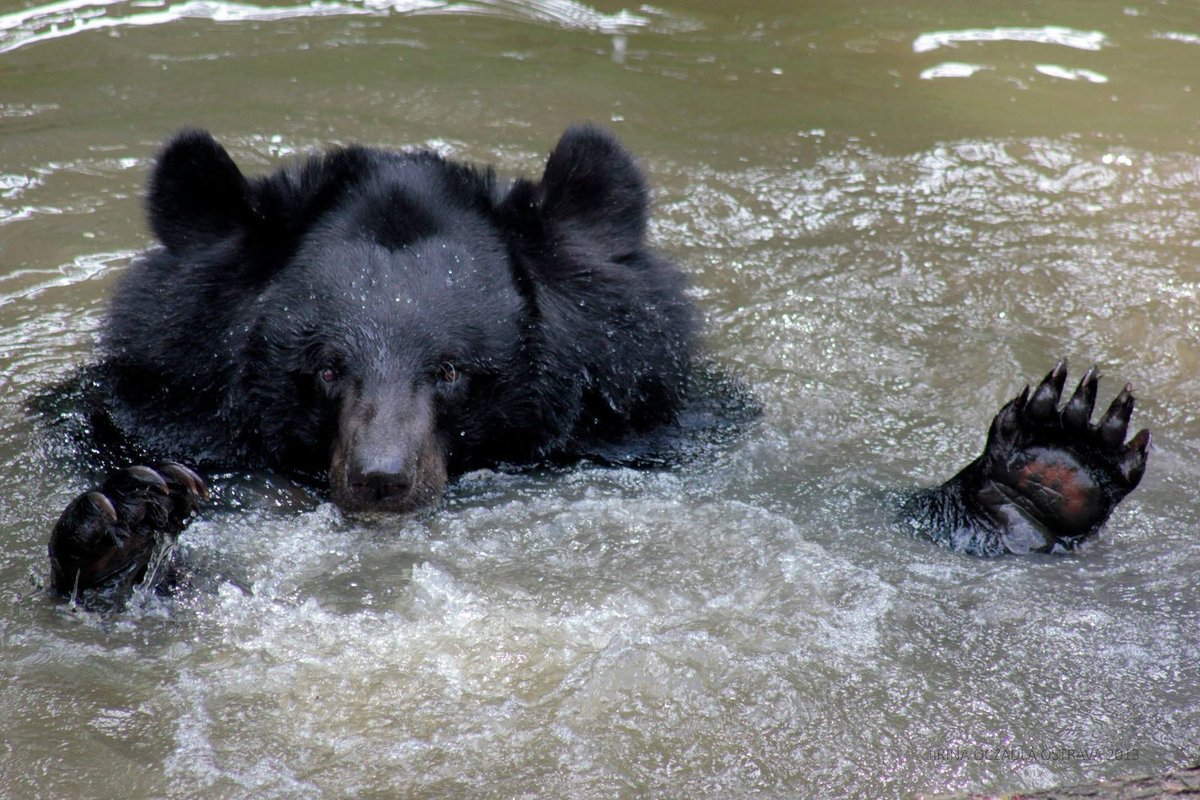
(894, 215)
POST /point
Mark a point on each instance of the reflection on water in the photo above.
(70, 17)
(885, 254)
(1067, 74)
(1050, 34)
(952, 69)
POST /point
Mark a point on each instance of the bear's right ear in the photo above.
(197, 195)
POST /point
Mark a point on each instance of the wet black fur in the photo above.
(565, 327)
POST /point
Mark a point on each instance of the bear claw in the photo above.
(105, 538)
(1133, 460)
(1044, 402)
(1115, 422)
(1078, 411)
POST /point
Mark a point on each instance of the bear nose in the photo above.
(376, 485)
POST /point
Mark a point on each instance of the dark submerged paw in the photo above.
(105, 538)
(1051, 477)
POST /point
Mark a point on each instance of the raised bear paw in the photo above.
(1050, 477)
(105, 538)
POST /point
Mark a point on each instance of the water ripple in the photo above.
(1050, 34)
(69, 17)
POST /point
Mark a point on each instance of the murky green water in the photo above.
(895, 214)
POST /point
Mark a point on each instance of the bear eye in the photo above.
(447, 372)
(331, 372)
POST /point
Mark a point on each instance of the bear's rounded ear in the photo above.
(592, 183)
(197, 195)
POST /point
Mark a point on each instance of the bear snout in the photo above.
(378, 485)
(394, 486)
(388, 455)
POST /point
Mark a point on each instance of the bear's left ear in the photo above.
(593, 184)
(197, 195)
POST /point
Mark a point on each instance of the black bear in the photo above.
(385, 320)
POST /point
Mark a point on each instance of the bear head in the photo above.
(391, 318)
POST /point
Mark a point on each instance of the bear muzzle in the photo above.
(388, 456)
(359, 482)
